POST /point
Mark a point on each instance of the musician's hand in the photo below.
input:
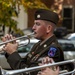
(6, 37)
(54, 70)
(49, 71)
(11, 46)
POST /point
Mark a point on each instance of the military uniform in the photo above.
(49, 48)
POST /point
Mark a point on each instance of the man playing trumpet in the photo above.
(44, 25)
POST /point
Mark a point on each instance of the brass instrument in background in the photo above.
(63, 72)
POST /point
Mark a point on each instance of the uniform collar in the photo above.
(42, 42)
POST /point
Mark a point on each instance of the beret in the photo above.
(44, 14)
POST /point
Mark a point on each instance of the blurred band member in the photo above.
(54, 70)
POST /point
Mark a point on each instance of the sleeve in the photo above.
(16, 61)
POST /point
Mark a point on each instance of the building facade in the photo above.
(65, 10)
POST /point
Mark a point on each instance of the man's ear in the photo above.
(49, 27)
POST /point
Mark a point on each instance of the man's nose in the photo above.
(34, 27)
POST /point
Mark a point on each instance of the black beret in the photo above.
(44, 14)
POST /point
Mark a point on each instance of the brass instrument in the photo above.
(26, 37)
(64, 72)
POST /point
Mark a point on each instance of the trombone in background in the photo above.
(25, 37)
(63, 72)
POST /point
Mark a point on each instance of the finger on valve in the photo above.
(47, 60)
(5, 38)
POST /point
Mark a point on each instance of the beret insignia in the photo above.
(38, 16)
(52, 52)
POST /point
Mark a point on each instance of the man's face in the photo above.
(40, 29)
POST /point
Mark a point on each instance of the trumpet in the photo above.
(26, 37)
(64, 72)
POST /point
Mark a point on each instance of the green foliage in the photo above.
(33, 4)
(8, 10)
(6, 13)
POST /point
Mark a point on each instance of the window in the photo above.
(68, 17)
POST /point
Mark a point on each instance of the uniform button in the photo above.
(45, 45)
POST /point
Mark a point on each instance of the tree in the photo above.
(10, 8)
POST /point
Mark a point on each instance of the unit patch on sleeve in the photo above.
(52, 51)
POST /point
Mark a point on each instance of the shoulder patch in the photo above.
(52, 51)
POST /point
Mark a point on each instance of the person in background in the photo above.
(44, 25)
